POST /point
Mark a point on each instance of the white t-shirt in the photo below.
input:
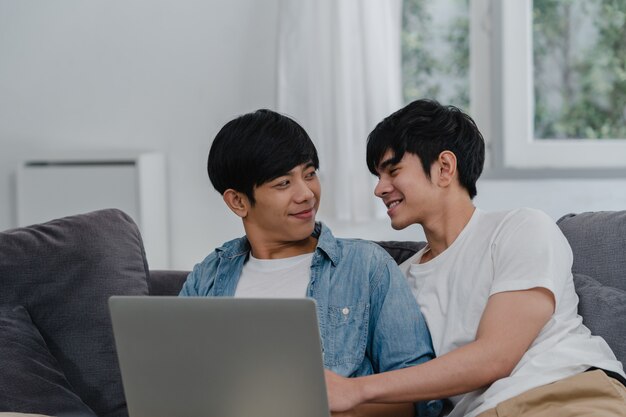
(497, 252)
(275, 278)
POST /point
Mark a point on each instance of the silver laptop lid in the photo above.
(219, 357)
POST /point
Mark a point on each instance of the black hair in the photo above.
(426, 128)
(256, 148)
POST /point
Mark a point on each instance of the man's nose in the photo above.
(304, 192)
(383, 187)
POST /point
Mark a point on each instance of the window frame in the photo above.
(502, 99)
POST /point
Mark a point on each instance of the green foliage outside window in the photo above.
(580, 68)
(435, 52)
(579, 54)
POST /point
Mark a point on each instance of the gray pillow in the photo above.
(63, 272)
(598, 241)
(603, 310)
(400, 251)
(31, 380)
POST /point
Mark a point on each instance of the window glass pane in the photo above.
(579, 52)
(435, 51)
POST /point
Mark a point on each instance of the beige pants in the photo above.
(588, 394)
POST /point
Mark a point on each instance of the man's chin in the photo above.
(306, 230)
(397, 225)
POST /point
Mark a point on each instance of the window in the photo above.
(545, 80)
(563, 82)
(579, 69)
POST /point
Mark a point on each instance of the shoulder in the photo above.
(511, 218)
(207, 263)
(360, 247)
(347, 250)
(201, 275)
(366, 258)
(527, 214)
(527, 220)
(526, 228)
(200, 279)
(232, 248)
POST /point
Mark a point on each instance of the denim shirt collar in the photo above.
(234, 248)
(326, 243)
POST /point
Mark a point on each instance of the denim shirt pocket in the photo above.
(347, 331)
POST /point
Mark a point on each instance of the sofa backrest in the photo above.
(166, 282)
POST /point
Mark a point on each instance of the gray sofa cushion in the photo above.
(603, 310)
(63, 272)
(598, 240)
(162, 282)
(400, 251)
(31, 380)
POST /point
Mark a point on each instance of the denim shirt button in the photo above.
(345, 311)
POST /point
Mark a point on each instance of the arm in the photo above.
(399, 337)
(379, 410)
(509, 325)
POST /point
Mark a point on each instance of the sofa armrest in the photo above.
(163, 282)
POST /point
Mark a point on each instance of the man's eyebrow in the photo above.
(291, 172)
(386, 163)
(307, 165)
(286, 174)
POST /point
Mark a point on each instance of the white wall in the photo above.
(166, 75)
(135, 74)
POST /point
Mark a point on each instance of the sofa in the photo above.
(57, 354)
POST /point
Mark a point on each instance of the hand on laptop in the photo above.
(345, 399)
(343, 394)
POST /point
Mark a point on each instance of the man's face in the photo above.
(410, 196)
(286, 206)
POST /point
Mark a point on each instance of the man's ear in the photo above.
(446, 166)
(236, 201)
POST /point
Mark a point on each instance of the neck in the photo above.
(265, 246)
(279, 250)
(443, 229)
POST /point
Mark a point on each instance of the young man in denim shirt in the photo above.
(265, 166)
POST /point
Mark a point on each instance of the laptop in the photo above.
(219, 356)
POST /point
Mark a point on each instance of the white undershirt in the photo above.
(275, 278)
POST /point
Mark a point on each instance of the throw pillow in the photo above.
(31, 380)
(603, 310)
(598, 244)
(63, 272)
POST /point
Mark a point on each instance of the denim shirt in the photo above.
(369, 321)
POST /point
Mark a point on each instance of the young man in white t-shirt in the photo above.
(496, 289)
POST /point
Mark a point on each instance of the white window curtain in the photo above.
(339, 74)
